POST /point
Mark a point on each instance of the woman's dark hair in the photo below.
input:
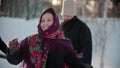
(49, 10)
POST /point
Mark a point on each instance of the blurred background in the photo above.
(19, 18)
(33, 8)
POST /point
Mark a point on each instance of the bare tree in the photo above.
(104, 38)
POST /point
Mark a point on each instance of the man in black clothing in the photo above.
(3, 46)
(78, 32)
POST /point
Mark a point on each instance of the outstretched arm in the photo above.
(14, 52)
(14, 58)
(3, 46)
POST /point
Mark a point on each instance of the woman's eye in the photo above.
(42, 20)
(49, 20)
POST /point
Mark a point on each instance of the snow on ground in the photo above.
(20, 28)
(13, 27)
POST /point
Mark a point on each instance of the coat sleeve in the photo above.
(72, 61)
(17, 57)
(70, 57)
(3, 46)
(87, 46)
(14, 58)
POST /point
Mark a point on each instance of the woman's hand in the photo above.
(14, 46)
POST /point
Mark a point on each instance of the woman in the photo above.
(47, 49)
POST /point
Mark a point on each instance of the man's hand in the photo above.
(79, 55)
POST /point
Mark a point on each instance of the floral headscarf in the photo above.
(53, 28)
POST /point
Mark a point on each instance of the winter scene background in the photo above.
(104, 26)
(20, 28)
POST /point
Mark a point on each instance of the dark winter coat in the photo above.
(80, 35)
(56, 57)
(3, 46)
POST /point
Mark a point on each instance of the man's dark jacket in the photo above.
(80, 35)
(3, 46)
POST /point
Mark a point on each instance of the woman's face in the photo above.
(46, 21)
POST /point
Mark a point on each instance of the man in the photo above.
(78, 32)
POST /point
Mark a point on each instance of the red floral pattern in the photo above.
(38, 58)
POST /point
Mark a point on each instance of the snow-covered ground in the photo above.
(13, 27)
